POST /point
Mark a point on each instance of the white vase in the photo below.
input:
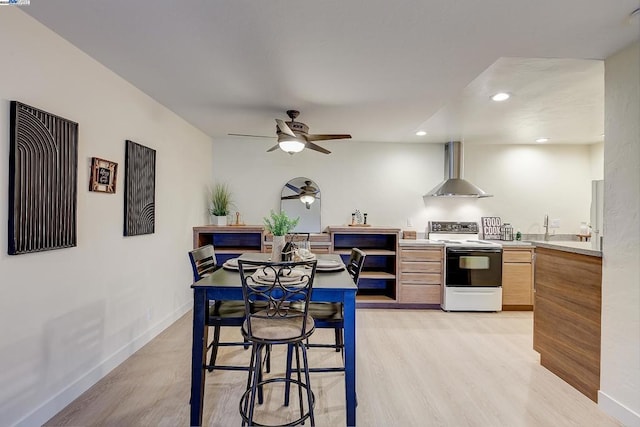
(220, 220)
(276, 248)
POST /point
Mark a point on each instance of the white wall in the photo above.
(620, 363)
(597, 160)
(388, 182)
(69, 316)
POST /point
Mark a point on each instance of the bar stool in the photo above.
(278, 284)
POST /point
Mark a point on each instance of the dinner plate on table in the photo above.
(289, 276)
(329, 265)
(232, 264)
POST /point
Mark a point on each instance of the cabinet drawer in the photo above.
(420, 267)
(516, 256)
(419, 294)
(421, 278)
(420, 255)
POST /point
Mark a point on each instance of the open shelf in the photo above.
(379, 276)
(229, 241)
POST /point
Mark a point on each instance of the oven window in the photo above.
(474, 262)
(473, 268)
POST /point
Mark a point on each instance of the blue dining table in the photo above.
(223, 284)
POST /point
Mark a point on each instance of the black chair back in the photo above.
(276, 286)
(203, 261)
(354, 266)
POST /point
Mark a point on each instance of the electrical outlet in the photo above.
(409, 222)
(149, 313)
(555, 223)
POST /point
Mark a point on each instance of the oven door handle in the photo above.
(467, 250)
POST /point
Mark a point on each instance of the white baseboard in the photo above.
(48, 409)
(625, 415)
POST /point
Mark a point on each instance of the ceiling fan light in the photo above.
(291, 145)
(307, 199)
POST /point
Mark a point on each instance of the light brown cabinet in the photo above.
(421, 275)
(567, 321)
(517, 278)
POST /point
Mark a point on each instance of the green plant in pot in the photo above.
(221, 203)
(279, 224)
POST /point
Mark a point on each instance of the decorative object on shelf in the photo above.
(358, 219)
(409, 234)
(238, 221)
(491, 227)
(279, 224)
(507, 231)
(139, 189)
(103, 175)
(358, 215)
(221, 203)
(518, 236)
(43, 176)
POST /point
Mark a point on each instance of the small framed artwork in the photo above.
(103, 175)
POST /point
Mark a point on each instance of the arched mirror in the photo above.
(301, 198)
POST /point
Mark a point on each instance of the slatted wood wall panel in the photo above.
(43, 171)
(140, 189)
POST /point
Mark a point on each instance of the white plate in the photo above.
(232, 264)
(335, 268)
(324, 264)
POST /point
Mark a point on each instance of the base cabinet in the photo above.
(421, 275)
(517, 278)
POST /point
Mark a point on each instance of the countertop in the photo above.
(515, 243)
(420, 242)
(583, 248)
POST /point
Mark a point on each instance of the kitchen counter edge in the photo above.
(581, 248)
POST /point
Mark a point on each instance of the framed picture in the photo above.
(43, 177)
(139, 189)
(103, 175)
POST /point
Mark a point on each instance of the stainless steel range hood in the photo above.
(454, 185)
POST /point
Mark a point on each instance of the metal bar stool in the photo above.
(286, 289)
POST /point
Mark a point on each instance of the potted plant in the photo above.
(220, 203)
(279, 224)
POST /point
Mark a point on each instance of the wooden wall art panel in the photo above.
(140, 190)
(43, 170)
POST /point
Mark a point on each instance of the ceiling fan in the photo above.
(294, 137)
(307, 193)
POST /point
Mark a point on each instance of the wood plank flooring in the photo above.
(414, 368)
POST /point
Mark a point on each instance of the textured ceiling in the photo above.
(377, 69)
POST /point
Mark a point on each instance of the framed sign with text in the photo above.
(491, 227)
(103, 175)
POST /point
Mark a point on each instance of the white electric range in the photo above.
(472, 267)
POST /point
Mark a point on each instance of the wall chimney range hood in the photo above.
(454, 185)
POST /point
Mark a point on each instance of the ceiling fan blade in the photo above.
(284, 128)
(326, 137)
(293, 188)
(251, 136)
(311, 146)
(275, 147)
(297, 196)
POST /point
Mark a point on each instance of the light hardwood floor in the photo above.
(414, 368)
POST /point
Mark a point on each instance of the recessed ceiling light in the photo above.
(421, 133)
(542, 140)
(501, 96)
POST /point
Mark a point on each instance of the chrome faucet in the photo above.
(546, 228)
